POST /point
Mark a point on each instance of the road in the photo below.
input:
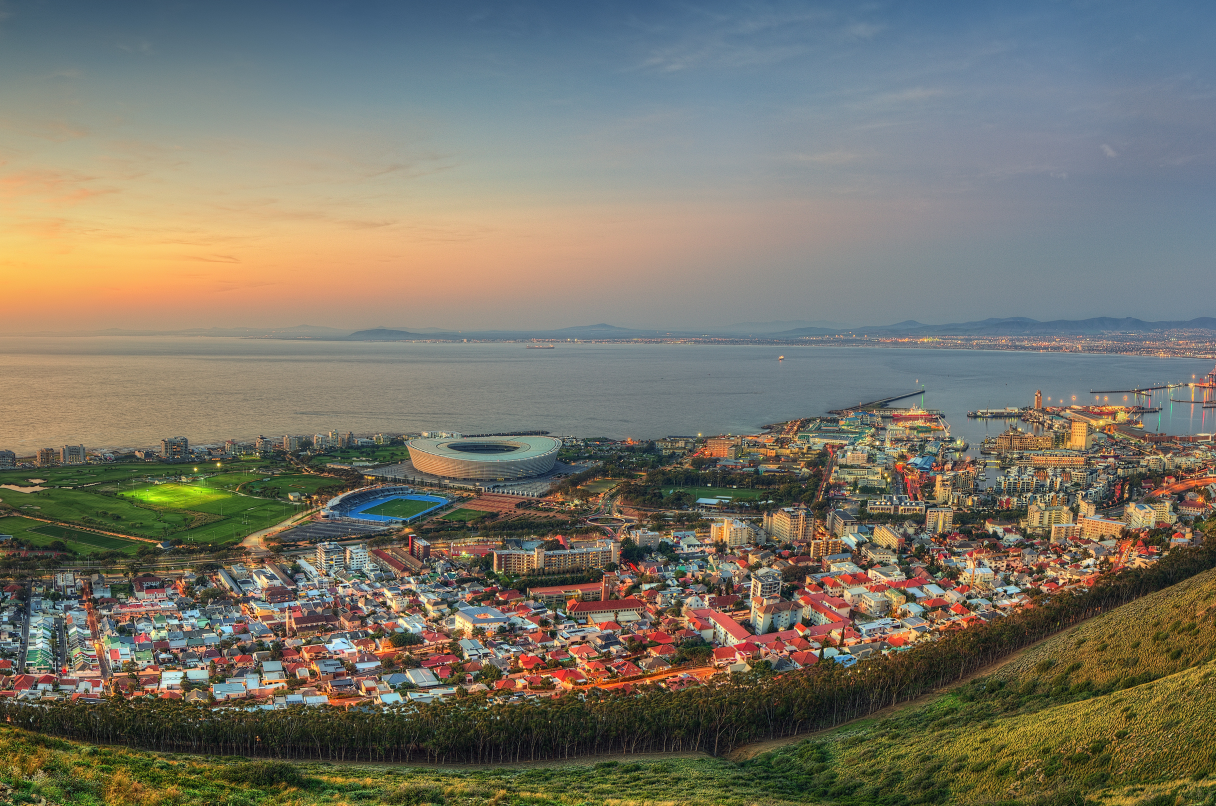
(254, 542)
(25, 630)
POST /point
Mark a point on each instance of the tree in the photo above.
(403, 639)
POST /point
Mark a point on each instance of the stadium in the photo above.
(485, 458)
(382, 505)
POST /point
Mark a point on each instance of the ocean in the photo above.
(109, 392)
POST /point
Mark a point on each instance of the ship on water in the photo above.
(539, 347)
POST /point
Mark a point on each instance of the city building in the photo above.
(732, 532)
(357, 558)
(887, 536)
(175, 448)
(46, 457)
(330, 558)
(721, 448)
(8, 459)
(1079, 439)
(939, 519)
(765, 583)
(1038, 399)
(789, 524)
(1015, 439)
(1043, 518)
(72, 455)
(542, 561)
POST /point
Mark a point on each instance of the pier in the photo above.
(876, 404)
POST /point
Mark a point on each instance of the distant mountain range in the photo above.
(779, 330)
(1017, 326)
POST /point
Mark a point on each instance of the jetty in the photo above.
(876, 404)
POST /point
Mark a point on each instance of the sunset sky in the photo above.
(513, 165)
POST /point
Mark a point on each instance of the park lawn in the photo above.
(741, 494)
(464, 515)
(231, 481)
(601, 485)
(380, 454)
(280, 486)
(89, 508)
(43, 534)
(114, 474)
(261, 514)
(400, 508)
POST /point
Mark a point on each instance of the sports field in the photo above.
(400, 508)
(464, 515)
(125, 499)
(178, 496)
(81, 542)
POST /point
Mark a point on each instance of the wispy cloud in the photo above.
(1108, 151)
(214, 258)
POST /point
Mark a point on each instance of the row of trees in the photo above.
(714, 718)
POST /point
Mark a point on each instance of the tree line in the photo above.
(716, 717)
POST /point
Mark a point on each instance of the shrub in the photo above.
(264, 774)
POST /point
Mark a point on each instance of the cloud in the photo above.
(55, 187)
(214, 258)
(1108, 151)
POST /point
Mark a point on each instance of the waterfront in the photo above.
(132, 391)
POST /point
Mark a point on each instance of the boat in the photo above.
(539, 347)
(780, 358)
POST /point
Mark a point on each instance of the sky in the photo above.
(651, 164)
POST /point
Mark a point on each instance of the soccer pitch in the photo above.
(400, 508)
(178, 496)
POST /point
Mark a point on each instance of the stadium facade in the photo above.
(485, 458)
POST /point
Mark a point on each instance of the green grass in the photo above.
(43, 534)
(379, 454)
(179, 496)
(463, 515)
(400, 508)
(94, 541)
(740, 494)
(280, 486)
(600, 486)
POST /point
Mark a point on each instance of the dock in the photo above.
(876, 404)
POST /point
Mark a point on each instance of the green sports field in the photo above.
(400, 508)
(178, 496)
(81, 542)
(125, 498)
(464, 515)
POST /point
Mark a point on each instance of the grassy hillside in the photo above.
(1151, 637)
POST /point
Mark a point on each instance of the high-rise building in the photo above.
(8, 459)
(72, 455)
(789, 524)
(733, 533)
(263, 446)
(357, 558)
(939, 519)
(175, 448)
(766, 583)
(1038, 399)
(293, 444)
(721, 448)
(330, 558)
(1079, 436)
(45, 457)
